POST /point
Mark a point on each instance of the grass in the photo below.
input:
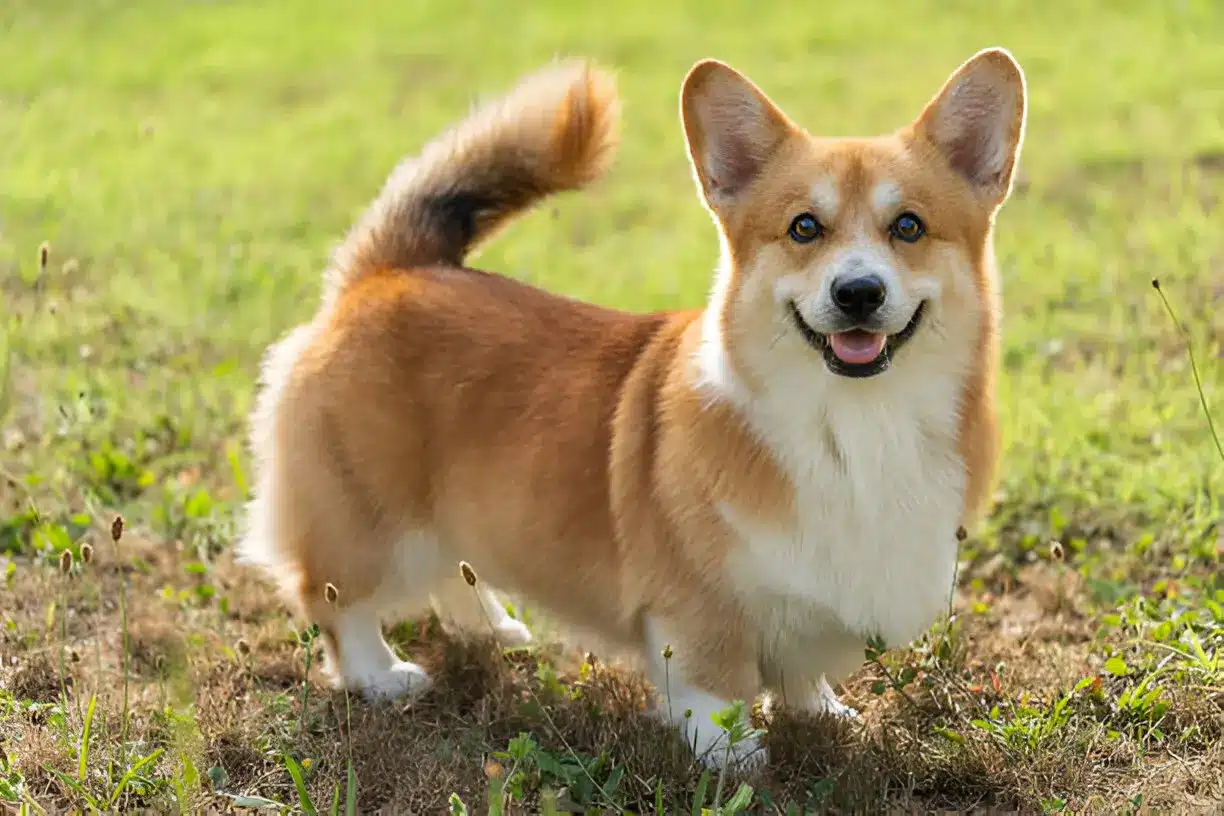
(190, 165)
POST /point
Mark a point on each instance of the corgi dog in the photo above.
(740, 495)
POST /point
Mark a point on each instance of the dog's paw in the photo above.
(836, 708)
(824, 701)
(402, 680)
(818, 703)
(513, 633)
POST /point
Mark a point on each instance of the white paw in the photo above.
(824, 701)
(834, 706)
(513, 633)
(402, 679)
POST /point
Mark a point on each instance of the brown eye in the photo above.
(908, 227)
(805, 228)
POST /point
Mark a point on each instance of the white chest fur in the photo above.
(878, 496)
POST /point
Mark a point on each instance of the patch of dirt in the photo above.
(35, 678)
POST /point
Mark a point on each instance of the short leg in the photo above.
(690, 708)
(476, 610)
(512, 633)
(809, 693)
(363, 661)
(797, 673)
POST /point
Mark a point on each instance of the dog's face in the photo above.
(856, 255)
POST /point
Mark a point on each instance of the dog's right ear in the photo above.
(732, 129)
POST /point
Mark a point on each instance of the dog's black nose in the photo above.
(859, 297)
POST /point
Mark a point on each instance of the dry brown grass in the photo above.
(225, 692)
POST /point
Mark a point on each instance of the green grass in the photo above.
(191, 165)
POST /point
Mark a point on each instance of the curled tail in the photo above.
(555, 131)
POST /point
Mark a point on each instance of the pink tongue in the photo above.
(857, 347)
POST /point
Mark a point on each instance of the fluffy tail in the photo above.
(555, 131)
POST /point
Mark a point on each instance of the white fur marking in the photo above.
(676, 695)
(825, 199)
(475, 610)
(824, 701)
(885, 198)
(713, 367)
(368, 663)
(874, 545)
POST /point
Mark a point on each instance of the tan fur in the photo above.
(555, 132)
(432, 413)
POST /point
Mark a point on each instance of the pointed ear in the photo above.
(731, 127)
(977, 122)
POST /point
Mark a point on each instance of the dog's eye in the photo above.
(908, 227)
(805, 228)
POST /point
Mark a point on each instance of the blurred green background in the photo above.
(192, 164)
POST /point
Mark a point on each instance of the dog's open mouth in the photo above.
(857, 352)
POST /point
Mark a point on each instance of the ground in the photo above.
(190, 165)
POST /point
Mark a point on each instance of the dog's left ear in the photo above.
(977, 122)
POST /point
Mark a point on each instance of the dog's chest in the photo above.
(872, 545)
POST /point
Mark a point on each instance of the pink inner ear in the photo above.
(731, 163)
(978, 156)
(973, 128)
(739, 131)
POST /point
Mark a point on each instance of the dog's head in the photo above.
(852, 255)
